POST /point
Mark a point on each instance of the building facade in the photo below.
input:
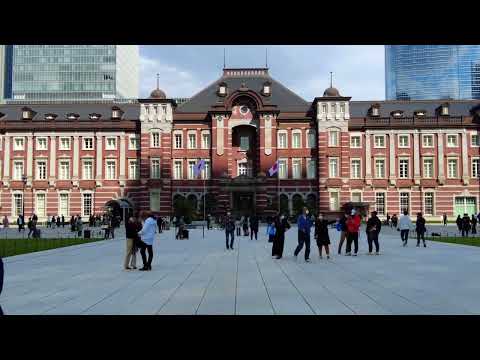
(78, 158)
(74, 72)
(419, 72)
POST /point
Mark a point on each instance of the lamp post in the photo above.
(24, 181)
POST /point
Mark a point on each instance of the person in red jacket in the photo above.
(353, 228)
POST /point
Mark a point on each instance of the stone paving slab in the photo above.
(199, 276)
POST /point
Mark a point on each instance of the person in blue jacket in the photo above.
(304, 227)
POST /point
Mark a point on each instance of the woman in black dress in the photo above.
(281, 226)
(321, 234)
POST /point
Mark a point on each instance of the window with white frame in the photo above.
(191, 169)
(282, 140)
(311, 169)
(18, 143)
(427, 141)
(134, 143)
(133, 169)
(380, 203)
(242, 168)
(40, 206)
(155, 200)
(17, 169)
(452, 166)
(192, 141)
(42, 143)
(333, 137)
(282, 169)
(17, 204)
(355, 168)
(41, 170)
(428, 203)
(356, 196)
(334, 109)
(379, 168)
(475, 168)
(156, 139)
(334, 200)
(452, 140)
(355, 141)
(64, 170)
(177, 169)
(87, 202)
(155, 168)
(87, 143)
(111, 143)
(64, 143)
(296, 168)
(177, 141)
(333, 167)
(324, 108)
(205, 173)
(379, 141)
(311, 139)
(87, 170)
(403, 141)
(475, 140)
(64, 204)
(205, 140)
(342, 108)
(296, 139)
(110, 170)
(428, 168)
(404, 202)
(403, 168)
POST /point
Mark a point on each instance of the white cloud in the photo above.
(176, 82)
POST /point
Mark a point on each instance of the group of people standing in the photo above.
(230, 225)
(59, 221)
(467, 224)
(140, 234)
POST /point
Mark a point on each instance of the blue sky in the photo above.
(358, 71)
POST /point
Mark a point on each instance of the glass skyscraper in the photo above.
(75, 72)
(418, 72)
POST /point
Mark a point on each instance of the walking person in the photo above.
(159, 224)
(79, 225)
(281, 227)
(387, 221)
(342, 227)
(30, 227)
(63, 221)
(245, 226)
(237, 226)
(444, 219)
(20, 223)
(253, 227)
(459, 223)
(271, 231)
(465, 225)
(404, 224)
(131, 233)
(353, 227)
(72, 224)
(394, 220)
(474, 224)
(147, 236)
(322, 236)
(229, 225)
(5, 222)
(58, 221)
(304, 227)
(420, 229)
(374, 225)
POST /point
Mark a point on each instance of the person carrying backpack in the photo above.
(353, 227)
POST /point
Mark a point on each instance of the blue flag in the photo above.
(199, 167)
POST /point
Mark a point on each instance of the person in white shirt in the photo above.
(404, 224)
(147, 236)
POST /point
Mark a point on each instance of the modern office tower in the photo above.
(75, 72)
(418, 72)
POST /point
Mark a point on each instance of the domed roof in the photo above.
(331, 91)
(158, 94)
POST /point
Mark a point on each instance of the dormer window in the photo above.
(419, 113)
(72, 116)
(94, 116)
(444, 110)
(27, 113)
(222, 89)
(397, 113)
(375, 110)
(50, 117)
(266, 90)
(116, 113)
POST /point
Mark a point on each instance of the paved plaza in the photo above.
(198, 276)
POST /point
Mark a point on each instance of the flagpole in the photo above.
(278, 186)
(204, 202)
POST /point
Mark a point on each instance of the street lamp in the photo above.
(24, 181)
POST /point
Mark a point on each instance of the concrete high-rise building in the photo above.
(75, 72)
(423, 72)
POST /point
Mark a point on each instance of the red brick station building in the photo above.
(78, 158)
